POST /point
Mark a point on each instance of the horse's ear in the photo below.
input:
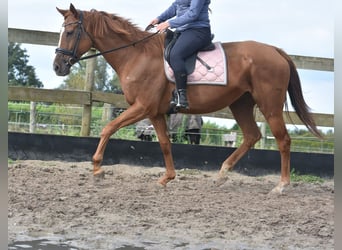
(61, 11)
(73, 10)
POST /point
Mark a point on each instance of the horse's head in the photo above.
(73, 42)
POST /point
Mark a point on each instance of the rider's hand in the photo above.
(154, 21)
(163, 26)
(152, 24)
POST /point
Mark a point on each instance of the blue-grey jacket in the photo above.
(188, 14)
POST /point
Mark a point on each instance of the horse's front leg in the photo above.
(160, 127)
(133, 114)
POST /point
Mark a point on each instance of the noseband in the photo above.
(73, 53)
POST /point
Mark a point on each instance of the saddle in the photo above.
(171, 38)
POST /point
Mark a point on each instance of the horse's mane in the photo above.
(103, 22)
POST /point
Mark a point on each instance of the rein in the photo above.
(118, 48)
(72, 53)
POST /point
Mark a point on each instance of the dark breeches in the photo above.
(189, 42)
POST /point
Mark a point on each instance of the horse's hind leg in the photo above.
(242, 110)
(278, 128)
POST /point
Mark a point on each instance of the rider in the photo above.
(191, 20)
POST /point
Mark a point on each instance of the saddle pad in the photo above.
(217, 75)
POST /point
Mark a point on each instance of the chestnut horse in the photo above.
(259, 74)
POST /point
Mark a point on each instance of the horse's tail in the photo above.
(296, 96)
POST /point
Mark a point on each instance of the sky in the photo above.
(302, 27)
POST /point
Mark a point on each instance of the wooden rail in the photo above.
(87, 97)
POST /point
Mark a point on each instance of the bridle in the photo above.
(80, 28)
(73, 53)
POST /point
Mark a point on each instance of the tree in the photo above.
(19, 72)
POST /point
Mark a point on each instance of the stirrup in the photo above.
(182, 106)
(181, 94)
(174, 99)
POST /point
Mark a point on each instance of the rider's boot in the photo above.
(180, 98)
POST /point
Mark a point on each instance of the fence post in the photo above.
(89, 84)
(32, 117)
(263, 135)
(107, 112)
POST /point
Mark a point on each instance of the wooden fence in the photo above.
(87, 97)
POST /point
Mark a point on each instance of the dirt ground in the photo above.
(49, 199)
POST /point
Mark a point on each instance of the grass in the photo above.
(297, 177)
(10, 161)
(187, 171)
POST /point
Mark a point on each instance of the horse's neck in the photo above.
(123, 51)
(125, 54)
(125, 59)
(117, 58)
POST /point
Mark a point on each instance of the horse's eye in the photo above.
(69, 33)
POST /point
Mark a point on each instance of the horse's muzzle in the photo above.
(61, 66)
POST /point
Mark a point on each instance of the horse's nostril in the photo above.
(55, 67)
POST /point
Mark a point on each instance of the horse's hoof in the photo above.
(99, 175)
(220, 180)
(162, 182)
(278, 190)
(159, 185)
